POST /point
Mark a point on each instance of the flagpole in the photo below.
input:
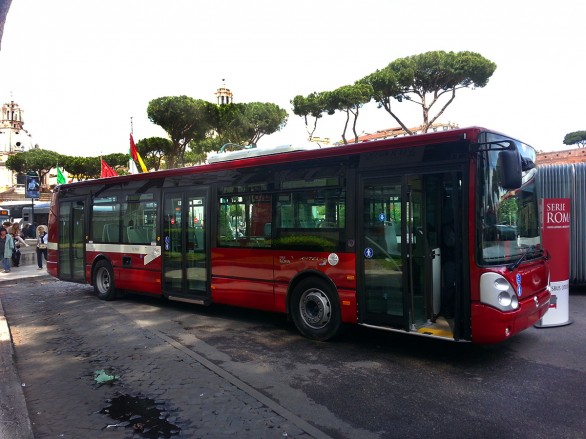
(131, 126)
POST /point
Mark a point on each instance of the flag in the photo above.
(135, 155)
(132, 167)
(60, 177)
(107, 170)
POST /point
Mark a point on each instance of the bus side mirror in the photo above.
(509, 169)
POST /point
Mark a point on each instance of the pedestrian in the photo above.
(41, 246)
(18, 237)
(8, 226)
(28, 231)
(6, 246)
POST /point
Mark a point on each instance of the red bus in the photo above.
(434, 234)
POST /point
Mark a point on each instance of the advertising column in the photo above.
(33, 186)
(555, 231)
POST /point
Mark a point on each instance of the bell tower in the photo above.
(13, 139)
(13, 136)
(223, 94)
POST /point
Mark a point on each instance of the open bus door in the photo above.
(71, 243)
(185, 246)
(406, 266)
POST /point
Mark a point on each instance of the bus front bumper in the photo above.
(490, 325)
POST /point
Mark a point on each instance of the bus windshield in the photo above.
(508, 221)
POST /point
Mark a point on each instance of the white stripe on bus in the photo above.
(151, 252)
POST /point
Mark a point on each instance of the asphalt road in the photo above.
(227, 372)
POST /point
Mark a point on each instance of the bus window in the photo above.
(245, 221)
(106, 221)
(314, 218)
(139, 220)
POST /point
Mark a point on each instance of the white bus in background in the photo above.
(41, 214)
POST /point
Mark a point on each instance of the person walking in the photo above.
(6, 247)
(41, 246)
(17, 235)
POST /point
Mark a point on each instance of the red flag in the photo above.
(107, 170)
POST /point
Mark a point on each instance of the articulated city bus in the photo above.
(435, 235)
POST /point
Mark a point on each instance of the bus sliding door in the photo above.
(185, 253)
(400, 259)
(71, 245)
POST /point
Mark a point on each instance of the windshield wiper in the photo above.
(531, 251)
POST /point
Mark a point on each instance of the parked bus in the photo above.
(14, 209)
(5, 215)
(40, 212)
(434, 234)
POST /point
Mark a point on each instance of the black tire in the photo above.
(315, 308)
(104, 281)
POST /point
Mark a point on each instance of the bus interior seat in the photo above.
(391, 239)
(138, 235)
(110, 233)
(199, 238)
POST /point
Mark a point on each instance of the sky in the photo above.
(83, 70)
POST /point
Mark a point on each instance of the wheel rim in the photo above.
(315, 308)
(103, 280)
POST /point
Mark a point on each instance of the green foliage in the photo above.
(247, 123)
(263, 118)
(82, 168)
(153, 150)
(426, 78)
(185, 119)
(87, 168)
(197, 152)
(42, 161)
(576, 138)
(37, 160)
(232, 127)
(507, 211)
(305, 242)
(313, 105)
(117, 160)
(349, 99)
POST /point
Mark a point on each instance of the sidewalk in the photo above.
(14, 418)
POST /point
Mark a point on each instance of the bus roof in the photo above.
(289, 153)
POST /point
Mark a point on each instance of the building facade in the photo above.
(13, 139)
(576, 155)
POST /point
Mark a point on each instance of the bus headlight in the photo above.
(496, 291)
(514, 302)
(505, 299)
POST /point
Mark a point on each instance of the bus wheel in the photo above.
(104, 281)
(315, 309)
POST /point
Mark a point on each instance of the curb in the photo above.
(14, 418)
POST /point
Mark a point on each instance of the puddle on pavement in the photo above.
(140, 414)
